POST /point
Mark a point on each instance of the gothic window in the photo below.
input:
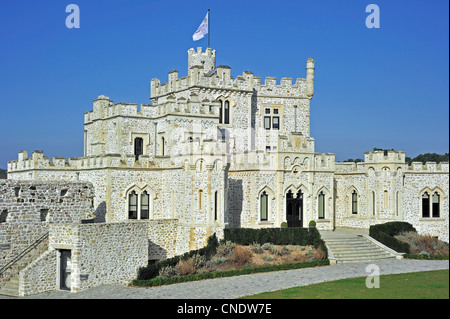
(145, 207)
(138, 147)
(321, 205)
(425, 205)
(264, 201)
(227, 112)
(132, 205)
(435, 205)
(221, 112)
(354, 202)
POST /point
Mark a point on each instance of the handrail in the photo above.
(23, 253)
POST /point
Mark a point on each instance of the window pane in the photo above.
(227, 112)
(425, 205)
(321, 206)
(144, 205)
(221, 111)
(132, 208)
(267, 111)
(138, 147)
(276, 122)
(267, 122)
(264, 206)
(436, 206)
(354, 203)
(275, 111)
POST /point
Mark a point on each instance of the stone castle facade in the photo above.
(212, 151)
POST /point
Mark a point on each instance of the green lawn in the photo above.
(419, 285)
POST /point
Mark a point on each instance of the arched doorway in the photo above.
(294, 209)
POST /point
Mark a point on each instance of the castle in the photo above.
(210, 151)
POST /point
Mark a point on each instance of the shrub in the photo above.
(186, 267)
(385, 233)
(312, 223)
(319, 254)
(242, 255)
(256, 248)
(169, 271)
(423, 243)
(225, 248)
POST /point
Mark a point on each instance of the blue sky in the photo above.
(385, 87)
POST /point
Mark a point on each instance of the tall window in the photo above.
(220, 112)
(227, 113)
(267, 120)
(132, 205)
(271, 119)
(264, 201)
(200, 199)
(397, 203)
(163, 143)
(435, 208)
(321, 205)
(374, 203)
(215, 206)
(138, 147)
(354, 203)
(145, 207)
(425, 205)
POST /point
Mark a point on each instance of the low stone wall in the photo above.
(123, 248)
(162, 238)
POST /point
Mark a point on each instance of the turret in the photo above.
(205, 59)
(310, 78)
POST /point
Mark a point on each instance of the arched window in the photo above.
(220, 112)
(354, 202)
(132, 205)
(436, 205)
(425, 205)
(138, 147)
(386, 199)
(321, 205)
(145, 205)
(227, 112)
(264, 201)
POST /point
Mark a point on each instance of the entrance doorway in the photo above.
(65, 269)
(294, 209)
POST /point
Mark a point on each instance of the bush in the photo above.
(228, 273)
(423, 243)
(151, 271)
(385, 233)
(242, 255)
(186, 267)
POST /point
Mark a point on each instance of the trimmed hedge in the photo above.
(385, 233)
(151, 271)
(227, 273)
(426, 256)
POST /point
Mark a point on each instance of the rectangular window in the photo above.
(276, 123)
(267, 122)
(354, 203)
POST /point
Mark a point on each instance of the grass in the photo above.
(418, 285)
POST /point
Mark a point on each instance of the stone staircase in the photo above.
(356, 249)
(11, 288)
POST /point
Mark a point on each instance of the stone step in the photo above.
(355, 249)
(11, 288)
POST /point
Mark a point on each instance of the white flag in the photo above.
(202, 29)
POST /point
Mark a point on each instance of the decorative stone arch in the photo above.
(371, 171)
(264, 200)
(223, 100)
(435, 200)
(287, 162)
(140, 192)
(324, 201)
(217, 165)
(200, 165)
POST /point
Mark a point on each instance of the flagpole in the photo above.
(209, 23)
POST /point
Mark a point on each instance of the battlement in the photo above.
(200, 74)
(428, 167)
(387, 156)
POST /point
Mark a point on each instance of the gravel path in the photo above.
(239, 286)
